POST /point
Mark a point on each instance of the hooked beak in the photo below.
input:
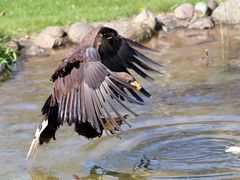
(136, 85)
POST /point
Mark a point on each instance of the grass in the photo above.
(26, 16)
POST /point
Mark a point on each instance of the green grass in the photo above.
(24, 16)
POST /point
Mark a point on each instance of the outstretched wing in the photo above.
(120, 54)
(86, 93)
(90, 82)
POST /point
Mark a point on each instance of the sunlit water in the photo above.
(184, 130)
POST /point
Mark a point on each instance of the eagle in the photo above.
(91, 82)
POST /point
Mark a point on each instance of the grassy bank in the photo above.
(23, 16)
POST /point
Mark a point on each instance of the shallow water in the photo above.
(183, 132)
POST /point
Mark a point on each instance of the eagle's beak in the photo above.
(136, 85)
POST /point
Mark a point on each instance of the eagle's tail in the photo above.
(35, 142)
(48, 126)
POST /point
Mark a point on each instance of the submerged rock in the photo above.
(202, 23)
(184, 11)
(50, 37)
(34, 51)
(77, 31)
(228, 12)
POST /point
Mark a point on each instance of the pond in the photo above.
(183, 131)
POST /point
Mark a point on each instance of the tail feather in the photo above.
(47, 128)
(35, 142)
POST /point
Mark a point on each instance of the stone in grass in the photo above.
(54, 31)
(77, 31)
(202, 23)
(50, 37)
(184, 11)
(145, 17)
(201, 8)
(142, 27)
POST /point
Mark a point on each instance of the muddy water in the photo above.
(183, 132)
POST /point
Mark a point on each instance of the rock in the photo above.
(46, 41)
(184, 11)
(34, 51)
(201, 8)
(202, 23)
(146, 17)
(120, 26)
(54, 31)
(25, 43)
(228, 12)
(66, 28)
(13, 45)
(212, 4)
(77, 31)
(171, 22)
(50, 37)
(142, 27)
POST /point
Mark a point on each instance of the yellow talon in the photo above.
(136, 85)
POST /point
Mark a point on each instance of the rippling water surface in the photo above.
(183, 132)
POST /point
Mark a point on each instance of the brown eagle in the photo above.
(90, 81)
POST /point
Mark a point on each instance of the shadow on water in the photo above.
(183, 132)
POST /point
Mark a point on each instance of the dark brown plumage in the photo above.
(90, 81)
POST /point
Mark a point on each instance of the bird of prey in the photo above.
(90, 82)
